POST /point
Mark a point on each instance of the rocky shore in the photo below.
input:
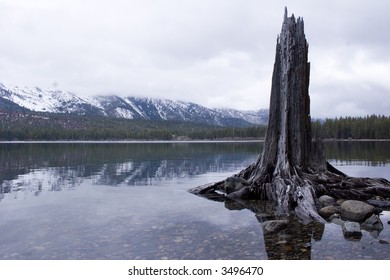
(354, 216)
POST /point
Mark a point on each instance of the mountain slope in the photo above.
(51, 101)
(259, 117)
(56, 101)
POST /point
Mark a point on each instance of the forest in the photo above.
(33, 126)
(368, 127)
(51, 127)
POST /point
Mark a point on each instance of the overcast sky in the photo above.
(218, 53)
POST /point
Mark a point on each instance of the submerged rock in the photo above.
(337, 220)
(355, 210)
(274, 226)
(372, 223)
(351, 230)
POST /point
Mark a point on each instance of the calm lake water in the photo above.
(131, 201)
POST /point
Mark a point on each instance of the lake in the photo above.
(131, 201)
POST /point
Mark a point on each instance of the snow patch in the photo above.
(124, 113)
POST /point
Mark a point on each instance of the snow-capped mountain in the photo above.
(51, 101)
(56, 101)
(259, 117)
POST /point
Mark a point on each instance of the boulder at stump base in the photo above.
(328, 211)
(326, 200)
(355, 210)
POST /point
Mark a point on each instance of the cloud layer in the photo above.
(217, 53)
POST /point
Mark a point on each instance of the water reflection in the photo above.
(366, 153)
(132, 222)
(40, 167)
(287, 238)
(294, 242)
(41, 180)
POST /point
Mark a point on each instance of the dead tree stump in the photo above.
(292, 171)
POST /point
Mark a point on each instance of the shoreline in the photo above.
(169, 141)
(355, 140)
(130, 141)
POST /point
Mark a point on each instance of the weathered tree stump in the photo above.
(292, 171)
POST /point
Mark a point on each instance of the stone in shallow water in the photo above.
(351, 230)
(337, 221)
(372, 223)
(274, 226)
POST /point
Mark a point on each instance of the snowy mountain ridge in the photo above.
(57, 101)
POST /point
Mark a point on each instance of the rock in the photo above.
(234, 205)
(351, 230)
(338, 221)
(274, 226)
(374, 234)
(327, 211)
(372, 223)
(233, 184)
(379, 203)
(355, 210)
(335, 215)
(340, 201)
(326, 200)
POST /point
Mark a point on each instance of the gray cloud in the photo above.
(216, 53)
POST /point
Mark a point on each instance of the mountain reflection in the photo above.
(37, 167)
(31, 169)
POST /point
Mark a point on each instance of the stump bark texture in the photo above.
(292, 171)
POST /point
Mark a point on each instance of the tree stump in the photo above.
(292, 171)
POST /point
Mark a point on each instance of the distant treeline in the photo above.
(369, 127)
(52, 127)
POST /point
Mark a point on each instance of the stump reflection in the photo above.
(291, 241)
